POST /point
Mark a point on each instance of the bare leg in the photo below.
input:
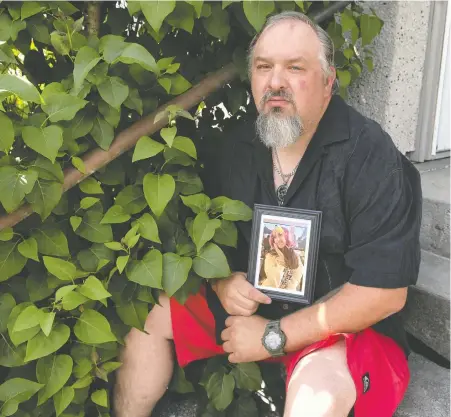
(321, 385)
(147, 365)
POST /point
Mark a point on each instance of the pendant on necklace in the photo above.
(281, 193)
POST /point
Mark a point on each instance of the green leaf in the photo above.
(91, 258)
(46, 322)
(168, 134)
(88, 202)
(146, 148)
(369, 64)
(18, 389)
(86, 59)
(131, 198)
(186, 145)
(134, 53)
(182, 17)
(60, 42)
(48, 171)
(219, 389)
(7, 136)
(10, 356)
(20, 87)
(148, 271)
(179, 383)
(63, 270)
(14, 185)
(257, 12)
(7, 303)
(41, 345)
(91, 229)
(217, 23)
(51, 241)
(98, 74)
(45, 196)
(62, 399)
(63, 291)
(111, 115)
(81, 124)
(53, 371)
(165, 83)
(133, 7)
(11, 261)
(349, 24)
(6, 234)
(19, 337)
(38, 287)
(133, 313)
(235, 210)
(73, 300)
(198, 203)
(93, 289)
(115, 214)
(114, 91)
(148, 228)
(175, 272)
(226, 234)
(79, 164)
(134, 101)
(102, 132)
(188, 182)
(197, 5)
(91, 186)
(179, 84)
(61, 106)
(92, 328)
(38, 30)
(121, 262)
(156, 11)
(10, 29)
(158, 191)
(27, 319)
(344, 78)
(244, 405)
(100, 397)
(114, 246)
(335, 32)
(247, 376)
(211, 262)
(111, 46)
(203, 229)
(30, 8)
(370, 27)
(46, 141)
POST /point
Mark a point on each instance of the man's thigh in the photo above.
(321, 385)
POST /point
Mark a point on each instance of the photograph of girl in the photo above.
(282, 257)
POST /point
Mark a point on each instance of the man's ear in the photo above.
(331, 80)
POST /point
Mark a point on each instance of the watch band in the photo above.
(274, 326)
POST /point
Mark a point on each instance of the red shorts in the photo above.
(377, 364)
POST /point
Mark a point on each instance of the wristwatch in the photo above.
(274, 339)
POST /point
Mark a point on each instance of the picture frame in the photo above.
(284, 252)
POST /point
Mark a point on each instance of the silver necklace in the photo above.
(282, 189)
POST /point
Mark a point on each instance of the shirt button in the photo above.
(285, 306)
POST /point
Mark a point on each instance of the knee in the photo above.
(159, 319)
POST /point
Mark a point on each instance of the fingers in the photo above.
(258, 296)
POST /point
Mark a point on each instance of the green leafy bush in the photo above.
(87, 266)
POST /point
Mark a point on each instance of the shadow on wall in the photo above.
(370, 93)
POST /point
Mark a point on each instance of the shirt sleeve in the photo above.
(384, 215)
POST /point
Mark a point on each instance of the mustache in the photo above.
(279, 93)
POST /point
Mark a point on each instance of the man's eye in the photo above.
(296, 68)
(262, 66)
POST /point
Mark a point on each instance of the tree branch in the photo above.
(93, 18)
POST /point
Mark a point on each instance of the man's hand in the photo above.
(238, 296)
(243, 339)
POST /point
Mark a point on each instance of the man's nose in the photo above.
(277, 80)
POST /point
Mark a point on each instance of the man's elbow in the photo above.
(397, 300)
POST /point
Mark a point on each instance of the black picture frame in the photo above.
(267, 269)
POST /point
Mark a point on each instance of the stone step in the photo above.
(435, 181)
(428, 395)
(429, 390)
(427, 310)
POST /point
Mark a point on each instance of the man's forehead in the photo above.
(290, 38)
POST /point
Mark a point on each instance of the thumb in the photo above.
(258, 296)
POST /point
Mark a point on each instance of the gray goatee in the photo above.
(275, 129)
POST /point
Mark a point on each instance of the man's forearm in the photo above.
(349, 310)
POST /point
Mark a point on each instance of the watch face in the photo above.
(273, 340)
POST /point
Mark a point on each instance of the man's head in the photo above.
(292, 74)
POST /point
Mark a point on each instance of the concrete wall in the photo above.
(391, 93)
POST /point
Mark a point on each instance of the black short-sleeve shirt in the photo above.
(368, 192)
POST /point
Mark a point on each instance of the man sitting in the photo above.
(308, 149)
